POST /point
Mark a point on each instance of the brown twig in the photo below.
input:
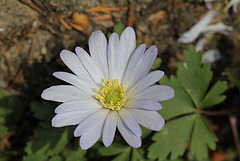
(33, 6)
(182, 5)
(5, 141)
(8, 65)
(233, 122)
(3, 40)
(103, 9)
(39, 3)
(20, 71)
(18, 48)
(102, 17)
(65, 24)
(131, 17)
(215, 113)
(26, 34)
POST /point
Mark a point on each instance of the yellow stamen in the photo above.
(112, 95)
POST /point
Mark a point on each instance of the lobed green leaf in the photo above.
(42, 111)
(179, 105)
(48, 141)
(214, 96)
(201, 136)
(195, 81)
(172, 139)
(76, 155)
(137, 155)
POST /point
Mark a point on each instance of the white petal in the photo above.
(133, 140)
(89, 138)
(157, 93)
(235, 6)
(218, 27)
(127, 45)
(133, 66)
(200, 44)
(145, 82)
(91, 121)
(149, 119)
(73, 63)
(129, 120)
(232, 3)
(78, 105)
(98, 51)
(76, 81)
(143, 104)
(109, 128)
(63, 93)
(149, 57)
(114, 58)
(71, 118)
(197, 29)
(208, 4)
(90, 65)
(211, 56)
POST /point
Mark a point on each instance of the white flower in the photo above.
(208, 4)
(197, 29)
(209, 30)
(234, 4)
(211, 56)
(109, 90)
(203, 26)
(218, 27)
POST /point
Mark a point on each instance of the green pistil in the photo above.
(113, 97)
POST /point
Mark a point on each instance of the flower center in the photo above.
(112, 95)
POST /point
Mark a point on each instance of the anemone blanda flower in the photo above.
(204, 26)
(109, 90)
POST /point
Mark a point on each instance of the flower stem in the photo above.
(233, 122)
(215, 113)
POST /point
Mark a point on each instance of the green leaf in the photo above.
(56, 158)
(3, 130)
(178, 159)
(4, 93)
(233, 78)
(4, 157)
(194, 78)
(118, 28)
(42, 111)
(47, 141)
(51, 141)
(76, 155)
(125, 155)
(214, 96)
(191, 92)
(193, 58)
(145, 132)
(201, 136)
(10, 106)
(35, 157)
(180, 104)
(138, 155)
(157, 63)
(173, 138)
(114, 149)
